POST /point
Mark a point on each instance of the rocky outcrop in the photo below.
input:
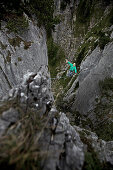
(58, 140)
(64, 31)
(60, 145)
(95, 68)
(65, 149)
(101, 147)
(20, 53)
(34, 92)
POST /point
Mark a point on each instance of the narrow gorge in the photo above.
(48, 120)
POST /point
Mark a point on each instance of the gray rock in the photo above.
(64, 31)
(28, 54)
(103, 149)
(10, 115)
(65, 148)
(3, 126)
(99, 66)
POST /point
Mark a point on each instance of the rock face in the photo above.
(20, 53)
(65, 146)
(103, 148)
(95, 63)
(96, 67)
(34, 92)
(62, 146)
(58, 139)
(64, 31)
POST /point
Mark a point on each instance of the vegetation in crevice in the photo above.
(91, 157)
(64, 4)
(56, 57)
(17, 24)
(41, 10)
(104, 110)
(8, 57)
(3, 46)
(95, 35)
(17, 41)
(21, 150)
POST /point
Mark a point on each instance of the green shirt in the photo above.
(72, 68)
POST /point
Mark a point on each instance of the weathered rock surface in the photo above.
(95, 68)
(64, 31)
(63, 146)
(34, 92)
(65, 149)
(20, 53)
(102, 148)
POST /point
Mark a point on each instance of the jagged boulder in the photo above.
(63, 144)
(34, 92)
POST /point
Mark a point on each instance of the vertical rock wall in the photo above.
(20, 53)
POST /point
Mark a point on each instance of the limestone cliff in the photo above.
(20, 53)
(74, 131)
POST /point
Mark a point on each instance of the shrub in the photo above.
(56, 56)
(83, 10)
(106, 84)
(64, 4)
(42, 9)
(80, 56)
(103, 40)
(17, 24)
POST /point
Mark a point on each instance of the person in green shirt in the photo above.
(72, 69)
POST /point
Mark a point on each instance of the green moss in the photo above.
(27, 44)
(19, 150)
(87, 132)
(106, 84)
(92, 162)
(3, 46)
(8, 57)
(83, 10)
(103, 110)
(17, 24)
(91, 159)
(64, 4)
(19, 59)
(80, 56)
(103, 40)
(56, 57)
(15, 41)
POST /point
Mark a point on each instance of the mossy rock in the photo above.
(3, 46)
(8, 57)
(17, 24)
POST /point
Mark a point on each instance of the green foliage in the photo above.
(104, 127)
(17, 41)
(106, 84)
(43, 9)
(103, 40)
(80, 56)
(21, 150)
(64, 4)
(92, 162)
(17, 23)
(3, 46)
(9, 7)
(83, 10)
(8, 57)
(56, 57)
